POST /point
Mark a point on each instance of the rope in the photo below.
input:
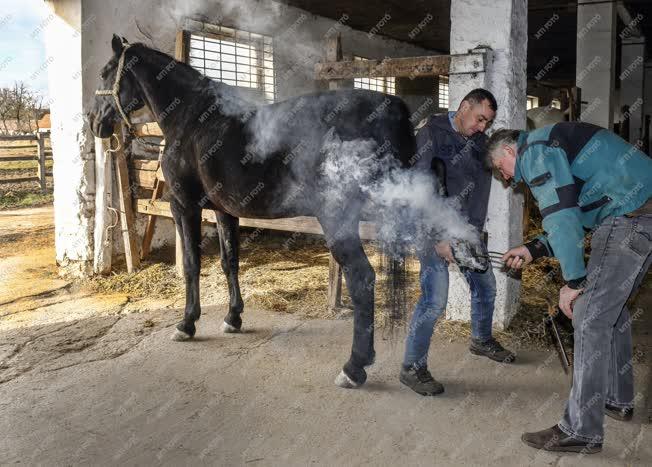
(115, 90)
(115, 93)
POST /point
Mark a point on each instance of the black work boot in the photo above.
(624, 415)
(421, 381)
(491, 349)
(553, 439)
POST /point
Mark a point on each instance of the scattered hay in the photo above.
(289, 274)
(151, 280)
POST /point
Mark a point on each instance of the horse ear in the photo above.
(116, 44)
(124, 40)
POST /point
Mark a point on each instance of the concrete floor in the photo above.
(82, 381)
(267, 397)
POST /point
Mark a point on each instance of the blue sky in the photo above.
(22, 46)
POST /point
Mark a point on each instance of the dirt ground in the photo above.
(88, 375)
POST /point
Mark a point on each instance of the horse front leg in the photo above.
(188, 224)
(360, 281)
(228, 229)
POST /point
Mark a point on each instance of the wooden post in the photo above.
(178, 252)
(125, 205)
(103, 236)
(575, 104)
(159, 184)
(40, 151)
(334, 54)
(334, 284)
(181, 46)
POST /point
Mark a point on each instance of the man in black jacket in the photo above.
(457, 139)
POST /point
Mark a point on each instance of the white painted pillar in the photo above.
(74, 184)
(596, 57)
(502, 26)
(632, 84)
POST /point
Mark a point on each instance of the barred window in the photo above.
(443, 92)
(532, 102)
(235, 57)
(384, 84)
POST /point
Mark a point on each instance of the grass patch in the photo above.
(24, 199)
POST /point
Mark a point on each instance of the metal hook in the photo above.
(114, 211)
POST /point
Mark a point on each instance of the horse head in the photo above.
(118, 95)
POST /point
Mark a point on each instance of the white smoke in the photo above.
(407, 207)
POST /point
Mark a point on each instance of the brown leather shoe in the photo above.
(624, 415)
(553, 439)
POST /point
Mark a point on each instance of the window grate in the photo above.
(443, 92)
(386, 84)
(532, 102)
(235, 57)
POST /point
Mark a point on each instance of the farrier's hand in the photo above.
(566, 298)
(445, 251)
(517, 257)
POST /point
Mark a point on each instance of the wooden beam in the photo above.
(19, 180)
(396, 67)
(144, 164)
(144, 178)
(18, 138)
(148, 129)
(291, 224)
(18, 158)
(125, 207)
(18, 146)
(103, 235)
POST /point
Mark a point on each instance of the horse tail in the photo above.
(397, 230)
(393, 263)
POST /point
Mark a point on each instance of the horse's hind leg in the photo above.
(346, 247)
(228, 228)
(188, 223)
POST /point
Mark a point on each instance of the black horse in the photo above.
(326, 155)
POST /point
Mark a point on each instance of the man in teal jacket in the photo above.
(585, 178)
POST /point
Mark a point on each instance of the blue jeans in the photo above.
(621, 254)
(432, 303)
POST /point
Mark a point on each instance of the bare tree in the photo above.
(20, 104)
(37, 107)
(6, 107)
(21, 98)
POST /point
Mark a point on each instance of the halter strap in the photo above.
(115, 91)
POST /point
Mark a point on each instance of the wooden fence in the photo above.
(37, 141)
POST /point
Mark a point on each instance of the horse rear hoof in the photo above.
(180, 336)
(228, 329)
(345, 382)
